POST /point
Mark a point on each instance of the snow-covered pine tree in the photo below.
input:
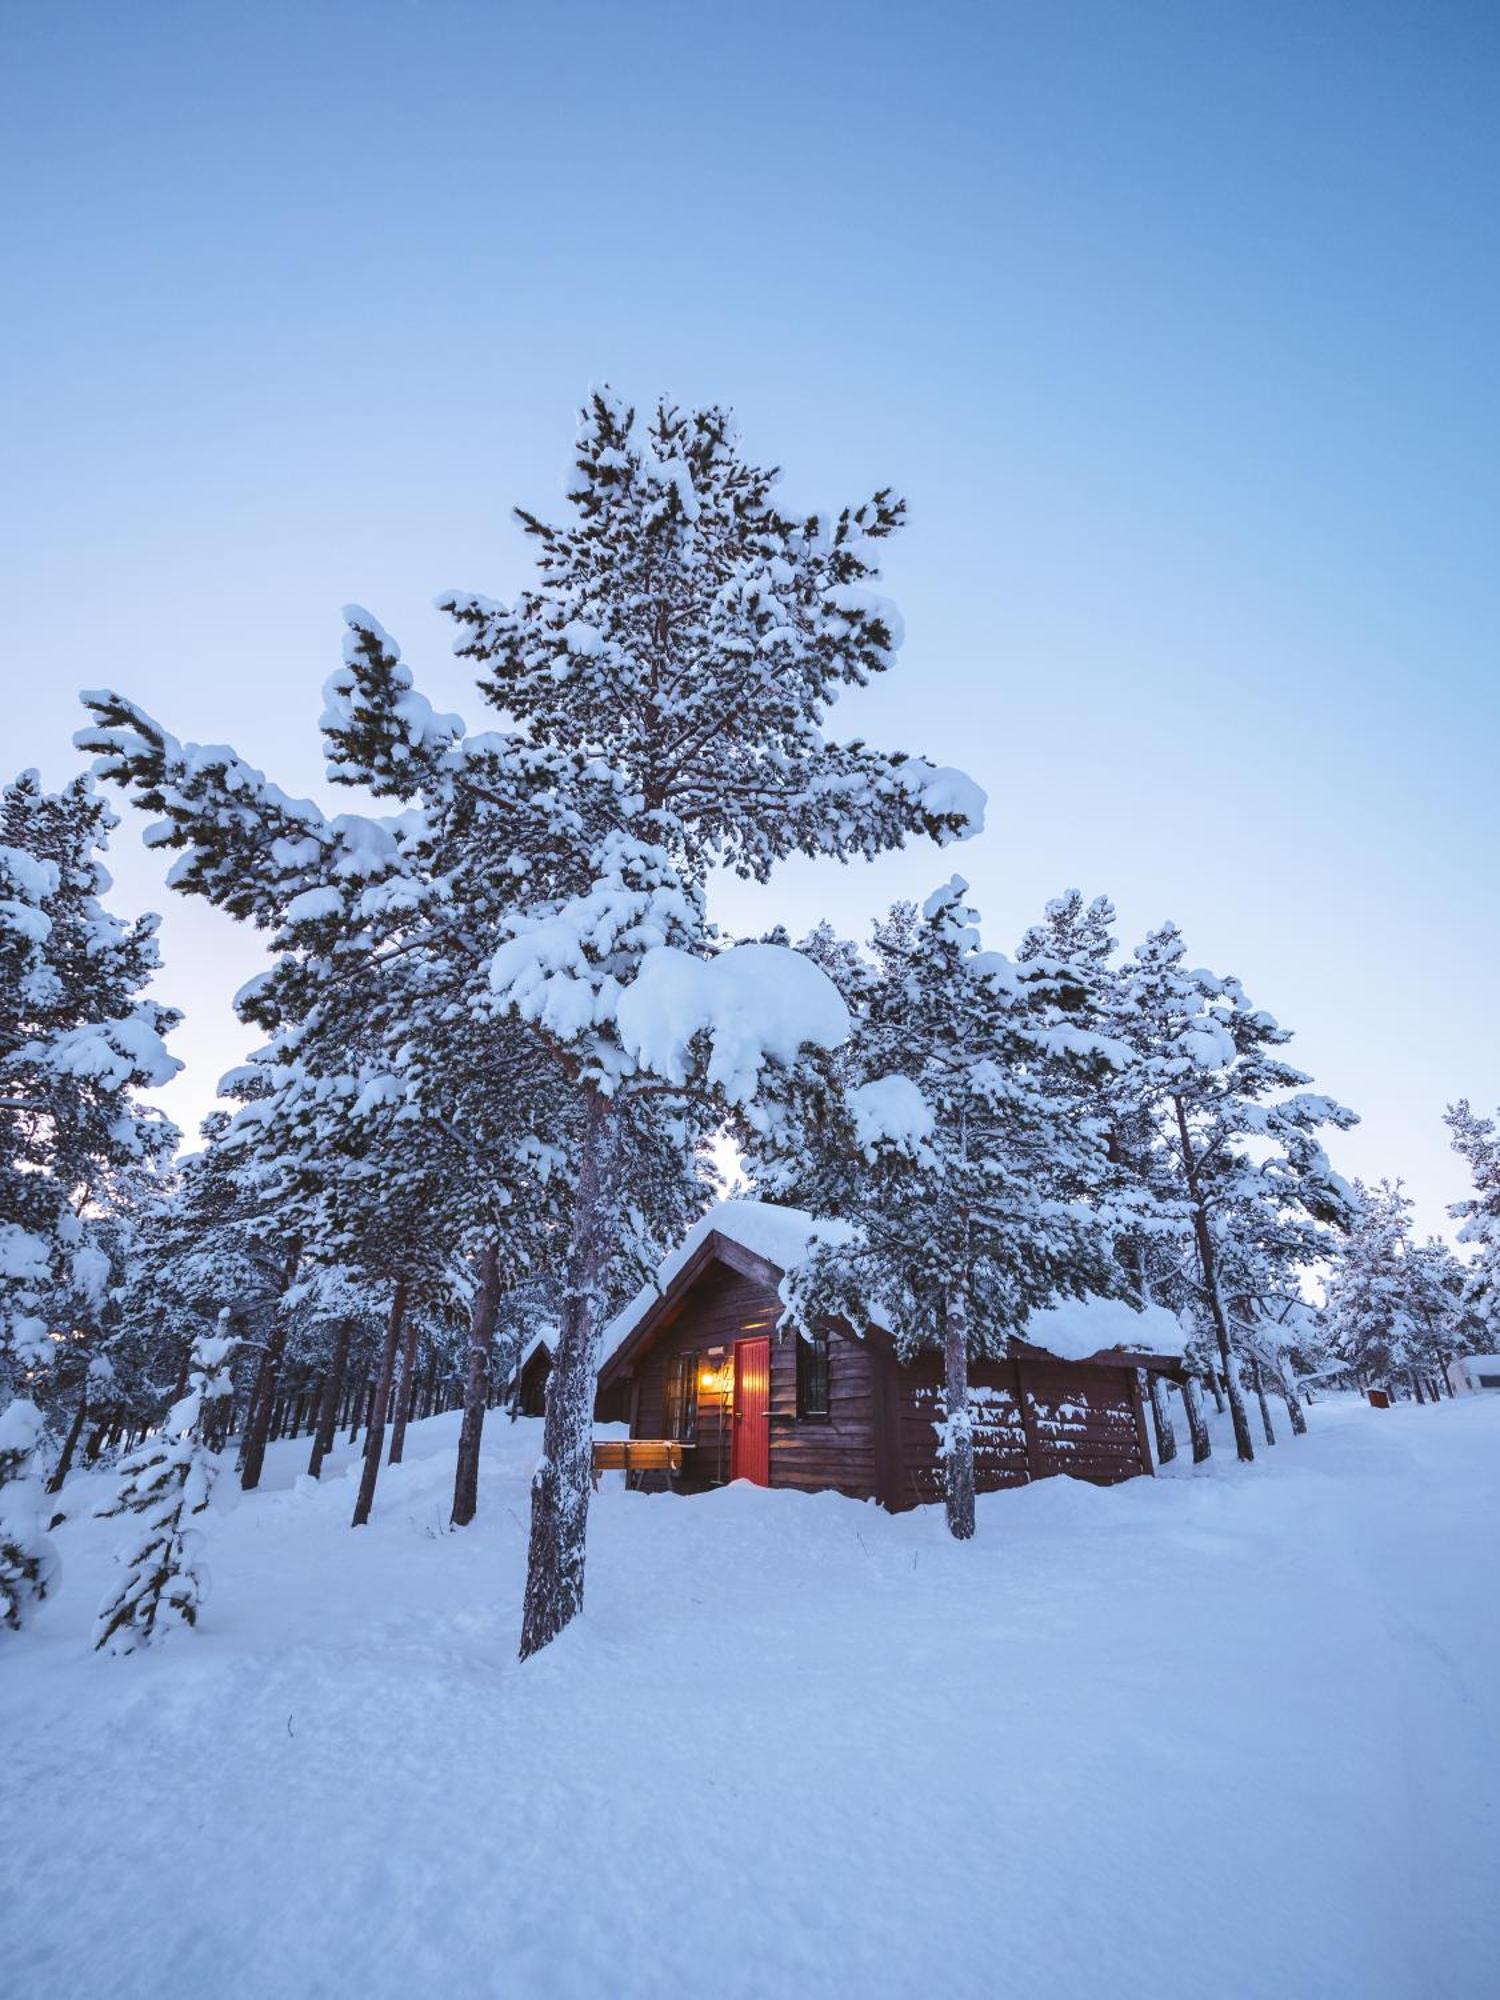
(1073, 949)
(958, 1155)
(689, 637)
(1396, 1310)
(1232, 1135)
(1476, 1140)
(670, 675)
(28, 1560)
(77, 1041)
(164, 1482)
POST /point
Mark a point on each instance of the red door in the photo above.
(751, 1455)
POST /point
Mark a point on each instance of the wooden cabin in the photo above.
(529, 1388)
(700, 1361)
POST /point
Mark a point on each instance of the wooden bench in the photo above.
(631, 1455)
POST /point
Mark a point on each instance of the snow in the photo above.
(24, 1256)
(890, 1112)
(313, 905)
(783, 1236)
(113, 1053)
(1076, 1328)
(1233, 1734)
(21, 1426)
(755, 1002)
(942, 790)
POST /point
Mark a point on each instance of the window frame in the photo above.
(820, 1344)
(681, 1407)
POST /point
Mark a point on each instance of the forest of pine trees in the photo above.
(499, 1038)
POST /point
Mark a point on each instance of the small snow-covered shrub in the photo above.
(165, 1480)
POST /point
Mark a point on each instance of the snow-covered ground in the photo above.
(1220, 1735)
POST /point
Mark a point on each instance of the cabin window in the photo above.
(682, 1398)
(812, 1375)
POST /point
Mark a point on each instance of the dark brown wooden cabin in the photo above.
(530, 1392)
(528, 1389)
(706, 1366)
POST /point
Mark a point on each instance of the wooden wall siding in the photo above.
(1085, 1421)
(836, 1451)
(999, 1431)
(1081, 1420)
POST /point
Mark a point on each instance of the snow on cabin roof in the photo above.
(1073, 1330)
(1472, 1364)
(783, 1236)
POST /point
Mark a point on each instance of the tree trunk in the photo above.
(476, 1386)
(408, 1390)
(1215, 1391)
(1208, 1265)
(1257, 1376)
(262, 1403)
(364, 1404)
(70, 1444)
(375, 1433)
(1415, 1380)
(958, 1424)
(1161, 1418)
(1197, 1428)
(326, 1425)
(1295, 1416)
(563, 1480)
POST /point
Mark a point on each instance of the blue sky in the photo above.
(1177, 326)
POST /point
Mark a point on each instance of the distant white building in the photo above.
(1470, 1374)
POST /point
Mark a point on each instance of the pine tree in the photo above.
(954, 1148)
(1477, 1142)
(77, 1041)
(165, 1481)
(669, 674)
(28, 1561)
(1230, 1134)
(1396, 1310)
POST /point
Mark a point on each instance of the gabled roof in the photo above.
(764, 1241)
(756, 1238)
